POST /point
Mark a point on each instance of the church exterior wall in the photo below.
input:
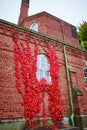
(10, 108)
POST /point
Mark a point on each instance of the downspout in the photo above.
(64, 39)
(70, 89)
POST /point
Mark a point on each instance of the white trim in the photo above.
(43, 68)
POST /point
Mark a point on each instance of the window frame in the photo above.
(85, 73)
(74, 31)
(27, 1)
(44, 66)
(34, 26)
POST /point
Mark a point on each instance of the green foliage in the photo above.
(82, 35)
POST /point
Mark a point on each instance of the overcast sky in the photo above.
(71, 11)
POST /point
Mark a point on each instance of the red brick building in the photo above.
(43, 29)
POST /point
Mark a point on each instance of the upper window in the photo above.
(43, 68)
(85, 73)
(74, 31)
(27, 1)
(34, 26)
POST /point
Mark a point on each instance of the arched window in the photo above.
(34, 26)
(43, 68)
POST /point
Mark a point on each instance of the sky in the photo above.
(71, 11)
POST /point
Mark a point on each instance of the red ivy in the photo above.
(25, 72)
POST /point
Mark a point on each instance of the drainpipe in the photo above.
(63, 33)
(70, 89)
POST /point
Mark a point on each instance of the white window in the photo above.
(43, 68)
(34, 26)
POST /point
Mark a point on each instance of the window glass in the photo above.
(43, 68)
(27, 1)
(34, 26)
(85, 73)
(74, 31)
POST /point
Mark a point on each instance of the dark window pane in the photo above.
(27, 1)
(74, 31)
(85, 72)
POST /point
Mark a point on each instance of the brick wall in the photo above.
(9, 97)
(52, 26)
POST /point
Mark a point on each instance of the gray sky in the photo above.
(71, 11)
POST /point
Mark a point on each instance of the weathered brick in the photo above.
(10, 98)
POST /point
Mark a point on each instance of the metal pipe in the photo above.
(70, 89)
(64, 39)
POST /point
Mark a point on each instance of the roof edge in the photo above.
(44, 12)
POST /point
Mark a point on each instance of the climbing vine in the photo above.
(32, 90)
